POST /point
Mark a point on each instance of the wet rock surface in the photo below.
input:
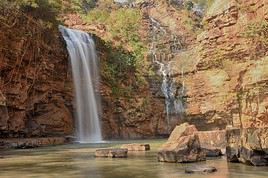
(200, 169)
(35, 85)
(182, 146)
(136, 147)
(213, 142)
(223, 85)
(111, 153)
(25, 143)
(248, 146)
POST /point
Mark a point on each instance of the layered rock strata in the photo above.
(182, 146)
(111, 153)
(248, 146)
(136, 147)
(35, 83)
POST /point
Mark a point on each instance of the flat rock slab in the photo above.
(24, 143)
(111, 153)
(136, 147)
(200, 169)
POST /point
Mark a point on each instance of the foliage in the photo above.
(119, 63)
(82, 6)
(45, 11)
(189, 5)
(117, 68)
(258, 32)
(205, 3)
(97, 16)
(123, 26)
(122, 23)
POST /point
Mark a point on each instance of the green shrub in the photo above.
(189, 5)
(258, 32)
(97, 16)
(45, 11)
(82, 6)
(123, 25)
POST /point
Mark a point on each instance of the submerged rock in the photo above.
(182, 146)
(136, 147)
(200, 169)
(248, 146)
(213, 142)
(112, 153)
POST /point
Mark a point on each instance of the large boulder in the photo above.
(111, 153)
(213, 142)
(182, 146)
(136, 147)
(249, 146)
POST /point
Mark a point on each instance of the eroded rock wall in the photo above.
(35, 84)
(130, 110)
(225, 74)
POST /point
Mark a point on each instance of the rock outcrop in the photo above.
(24, 143)
(248, 146)
(224, 72)
(35, 83)
(111, 153)
(182, 146)
(221, 69)
(136, 147)
(213, 142)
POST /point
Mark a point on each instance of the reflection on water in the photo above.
(79, 161)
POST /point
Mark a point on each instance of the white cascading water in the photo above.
(82, 52)
(172, 93)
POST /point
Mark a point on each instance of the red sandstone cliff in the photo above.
(226, 75)
(35, 84)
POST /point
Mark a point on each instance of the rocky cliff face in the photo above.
(35, 84)
(130, 109)
(219, 70)
(225, 73)
(220, 66)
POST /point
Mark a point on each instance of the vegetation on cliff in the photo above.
(122, 31)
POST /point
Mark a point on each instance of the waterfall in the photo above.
(82, 52)
(172, 91)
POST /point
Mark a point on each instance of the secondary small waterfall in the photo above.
(82, 52)
(163, 47)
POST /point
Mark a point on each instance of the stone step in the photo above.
(136, 147)
(111, 153)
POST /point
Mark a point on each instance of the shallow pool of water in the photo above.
(77, 160)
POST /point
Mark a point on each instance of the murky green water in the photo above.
(79, 161)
